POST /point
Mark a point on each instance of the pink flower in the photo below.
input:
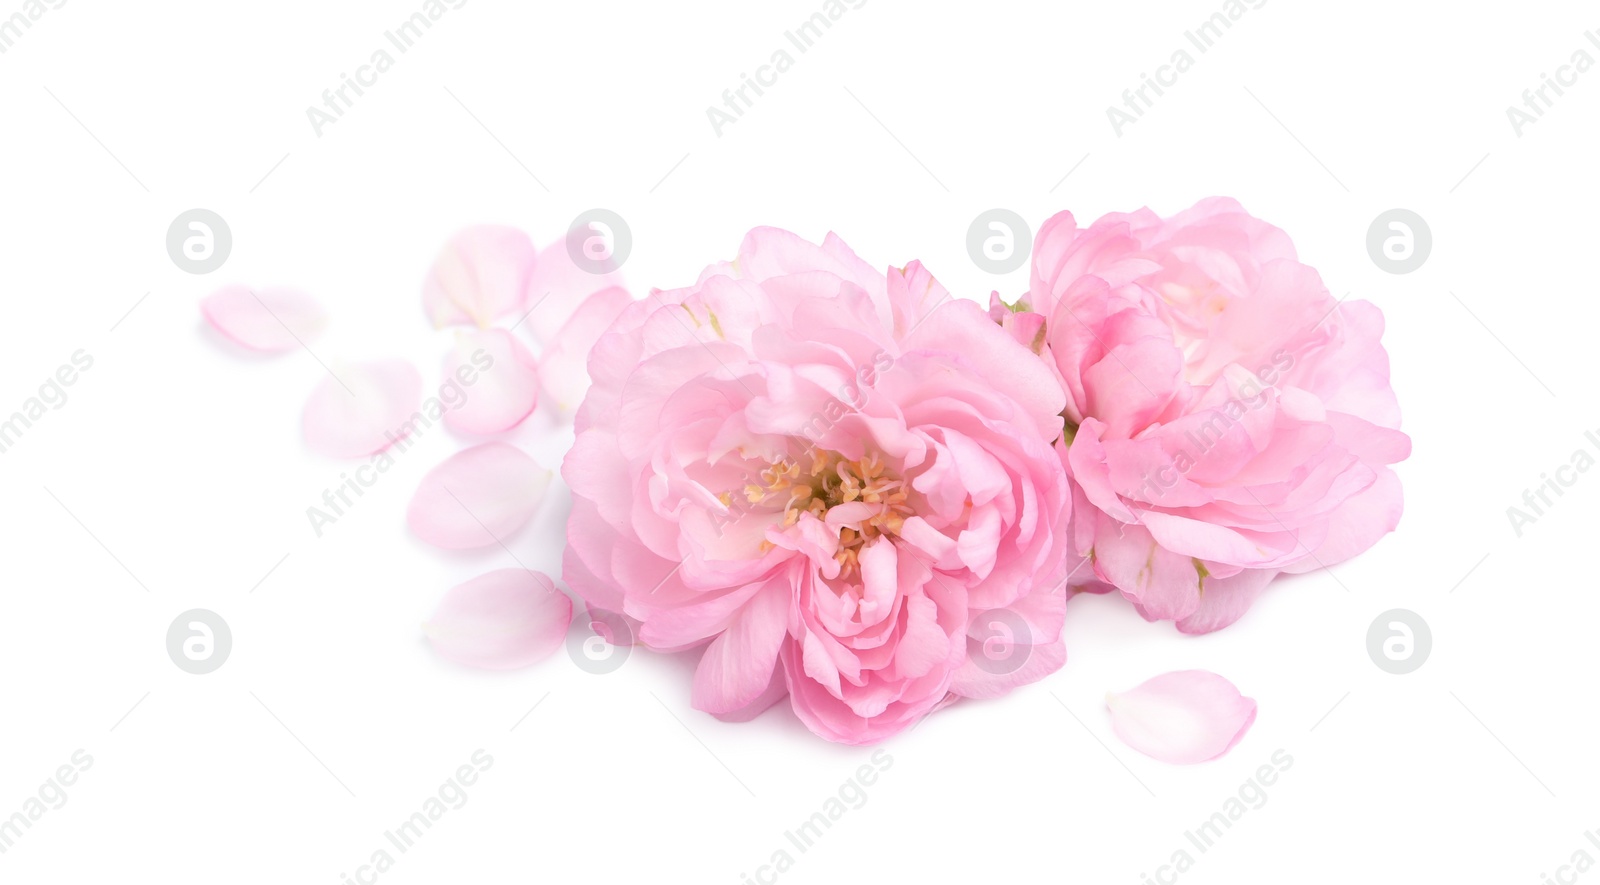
(839, 482)
(1227, 419)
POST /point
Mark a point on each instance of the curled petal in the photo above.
(1182, 717)
(505, 619)
(481, 274)
(962, 326)
(477, 497)
(267, 320)
(363, 408)
(499, 380)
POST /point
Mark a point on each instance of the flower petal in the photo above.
(557, 287)
(481, 274)
(1183, 717)
(505, 619)
(362, 408)
(776, 691)
(961, 326)
(1225, 600)
(1358, 523)
(737, 666)
(268, 320)
(564, 365)
(1013, 646)
(500, 379)
(477, 497)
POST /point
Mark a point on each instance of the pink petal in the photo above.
(736, 669)
(776, 691)
(499, 380)
(557, 287)
(564, 365)
(1358, 523)
(1225, 600)
(505, 619)
(962, 327)
(481, 274)
(1013, 646)
(477, 497)
(363, 408)
(1183, 717)
(268, 320)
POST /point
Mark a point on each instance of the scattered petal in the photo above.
(363, 408)
(267, 320)
(564, 365)
(477, 497)
(556, 289)
(498, 379)
(479, 276)
(505, 619)
(1183, 717)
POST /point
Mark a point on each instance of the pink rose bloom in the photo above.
(840, 482)
(1227, 419)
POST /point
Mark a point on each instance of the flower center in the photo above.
(825, 480)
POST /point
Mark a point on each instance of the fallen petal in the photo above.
(505, 619)
(556, 289)
(362, 408)
(477, 497)
(480, 275)
(267, 320)
(564, 365)
(499, 380)
(1183, 717)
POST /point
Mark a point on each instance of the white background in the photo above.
(333, 721)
